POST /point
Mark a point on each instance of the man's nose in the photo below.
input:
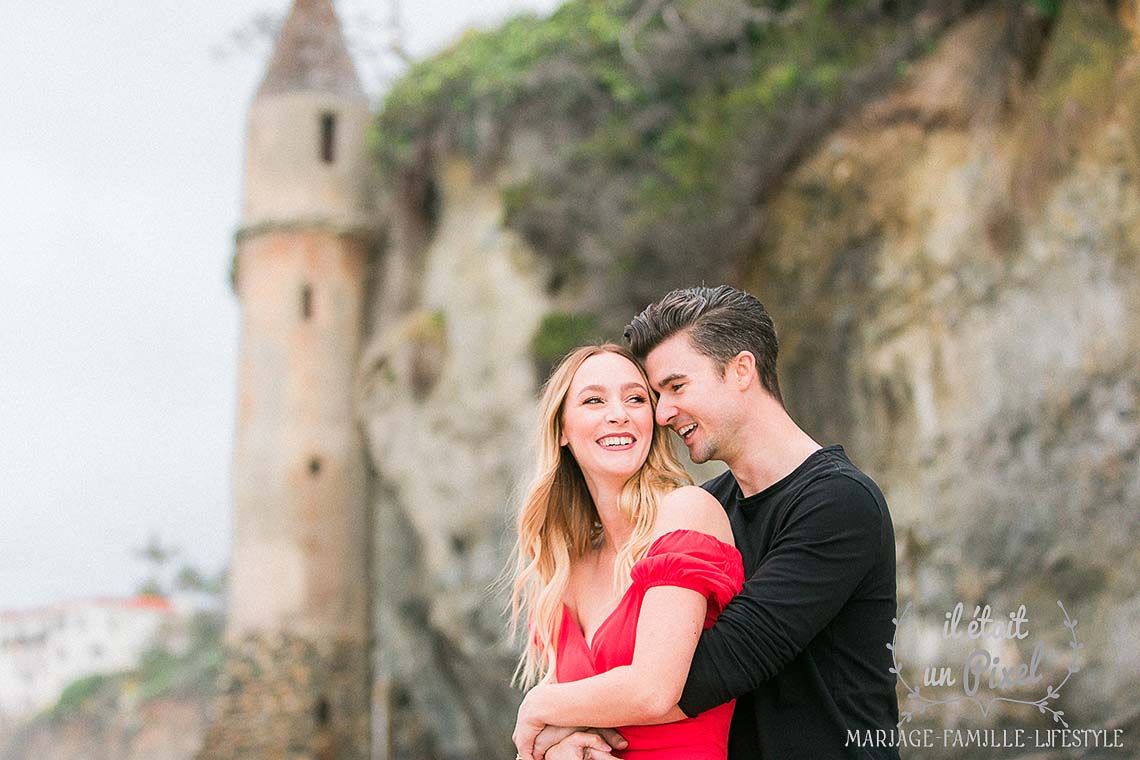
(665, 412)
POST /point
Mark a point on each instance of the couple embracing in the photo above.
(743, 619)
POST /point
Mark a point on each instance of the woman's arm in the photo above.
(642, 692)
(647, 690)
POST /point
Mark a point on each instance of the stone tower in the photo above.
(297, 676)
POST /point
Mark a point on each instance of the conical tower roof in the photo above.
(311, 54)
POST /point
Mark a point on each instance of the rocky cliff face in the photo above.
(157, 710)
(953, 271)
(448, 392)
(169, 728)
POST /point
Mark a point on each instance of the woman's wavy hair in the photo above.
(558, 521)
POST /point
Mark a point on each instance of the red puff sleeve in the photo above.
(693, 560)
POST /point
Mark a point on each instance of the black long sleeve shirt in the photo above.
(802, 648)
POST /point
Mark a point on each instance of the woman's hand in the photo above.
(551, 736)
(529, 723)
(580, 745)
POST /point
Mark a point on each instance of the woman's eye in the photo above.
(636, 400)
(593, 400)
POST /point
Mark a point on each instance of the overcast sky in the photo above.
(120, 172)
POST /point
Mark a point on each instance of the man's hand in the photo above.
(580, 745)
(550, 736)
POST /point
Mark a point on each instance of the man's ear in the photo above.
(742, 369)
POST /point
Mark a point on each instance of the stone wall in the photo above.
(284, 698)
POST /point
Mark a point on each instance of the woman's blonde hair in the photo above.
(558, 521)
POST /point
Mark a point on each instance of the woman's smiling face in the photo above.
(607, 419)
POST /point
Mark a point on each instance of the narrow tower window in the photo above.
(328, 137)
(323, 712)
(306, 301)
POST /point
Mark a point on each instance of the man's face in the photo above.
(696, 401)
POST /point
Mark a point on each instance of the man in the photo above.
(802, 648)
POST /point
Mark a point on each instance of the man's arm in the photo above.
(832, 539)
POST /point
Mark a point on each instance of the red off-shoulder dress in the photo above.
(684, 558)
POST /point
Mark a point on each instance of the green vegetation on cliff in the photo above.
(663, 124)
(666, 122)
(161, 672)
(557, 335)
(77, 694)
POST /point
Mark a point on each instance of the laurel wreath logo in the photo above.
(920, 703)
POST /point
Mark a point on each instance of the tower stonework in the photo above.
(296, 679)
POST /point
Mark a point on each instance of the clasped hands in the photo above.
(535, 740)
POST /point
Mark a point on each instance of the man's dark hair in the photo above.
(721, 322)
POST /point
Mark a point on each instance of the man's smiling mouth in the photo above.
(687, 430)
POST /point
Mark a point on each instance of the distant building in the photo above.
(297, 625)
(43, 650)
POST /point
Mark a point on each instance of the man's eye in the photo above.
(676, 387)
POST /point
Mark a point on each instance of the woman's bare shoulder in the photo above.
(692, 508)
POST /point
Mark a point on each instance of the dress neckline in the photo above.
(621, 600)
(582, 634)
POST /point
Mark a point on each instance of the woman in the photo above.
(621, 563)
